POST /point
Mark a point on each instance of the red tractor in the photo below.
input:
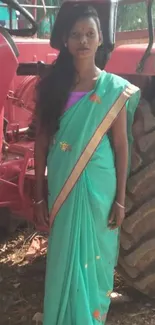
(23, 56)
(22, 60)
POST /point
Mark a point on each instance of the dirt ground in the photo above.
(22, 288)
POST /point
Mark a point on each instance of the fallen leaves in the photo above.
(37, 247)
(23, 249)
(21, 283)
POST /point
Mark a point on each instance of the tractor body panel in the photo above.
(128, 57)
(8, 53)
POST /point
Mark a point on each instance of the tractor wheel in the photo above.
(137, 251)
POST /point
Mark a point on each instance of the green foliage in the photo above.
(133, 16)
(46, 24)
(130, 17)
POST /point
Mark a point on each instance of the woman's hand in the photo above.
(117, 216)
(41, 215)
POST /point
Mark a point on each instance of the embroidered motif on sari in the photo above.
(65, 146)
(99, 317)
(95, 98)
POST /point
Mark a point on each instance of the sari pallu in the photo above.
(82, 251)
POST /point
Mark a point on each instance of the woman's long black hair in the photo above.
(54, 88)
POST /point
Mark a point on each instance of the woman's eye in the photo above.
(90, 34)
(74, 35)
(77, 35)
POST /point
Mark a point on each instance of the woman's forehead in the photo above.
(85, 23)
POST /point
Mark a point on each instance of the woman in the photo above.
(84, 120)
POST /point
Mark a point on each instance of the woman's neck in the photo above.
(86, 69)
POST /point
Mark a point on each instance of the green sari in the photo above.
(82, 250)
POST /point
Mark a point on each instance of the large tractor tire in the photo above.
(137, 251)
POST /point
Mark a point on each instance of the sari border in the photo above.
(90, 148)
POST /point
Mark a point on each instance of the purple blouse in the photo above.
(74, 98)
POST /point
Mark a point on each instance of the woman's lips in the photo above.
(83, 49)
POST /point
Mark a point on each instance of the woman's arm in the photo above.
(120, 144)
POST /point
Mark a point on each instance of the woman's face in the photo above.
(84, 39)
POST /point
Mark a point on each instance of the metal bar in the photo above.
(34, 2)
(7, 182)
(129, 2)
(151, 37)
(10, 17)
(33, 6)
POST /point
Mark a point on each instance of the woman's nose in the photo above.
(83, 39)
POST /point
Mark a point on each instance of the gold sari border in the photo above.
(90, 148)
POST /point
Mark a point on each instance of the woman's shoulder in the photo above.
(117, 81)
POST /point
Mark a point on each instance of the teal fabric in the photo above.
(82, 251)
(4, 16)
